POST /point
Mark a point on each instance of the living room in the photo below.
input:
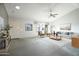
(38, 27)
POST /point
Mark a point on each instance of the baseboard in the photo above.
(25, 38)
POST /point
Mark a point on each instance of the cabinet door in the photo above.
(75, 42)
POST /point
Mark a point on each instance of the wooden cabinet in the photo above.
(75, 41)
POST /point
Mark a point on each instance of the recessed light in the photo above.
(17, 7)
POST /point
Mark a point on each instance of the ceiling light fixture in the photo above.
(17, 7)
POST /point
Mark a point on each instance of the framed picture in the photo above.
(65, 27)
(28, 27)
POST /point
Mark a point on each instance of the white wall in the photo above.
(3, 14)
(72, 18)
(18, 28)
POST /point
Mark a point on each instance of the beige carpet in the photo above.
(36, 47)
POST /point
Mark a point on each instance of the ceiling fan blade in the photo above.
(55, 14)
(51, 15)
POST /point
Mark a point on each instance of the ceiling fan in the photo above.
(51, 14)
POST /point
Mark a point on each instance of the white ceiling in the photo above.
(39, 11)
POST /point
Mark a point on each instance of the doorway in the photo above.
(1, 24)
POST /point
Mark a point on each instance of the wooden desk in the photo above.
(75, 41)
